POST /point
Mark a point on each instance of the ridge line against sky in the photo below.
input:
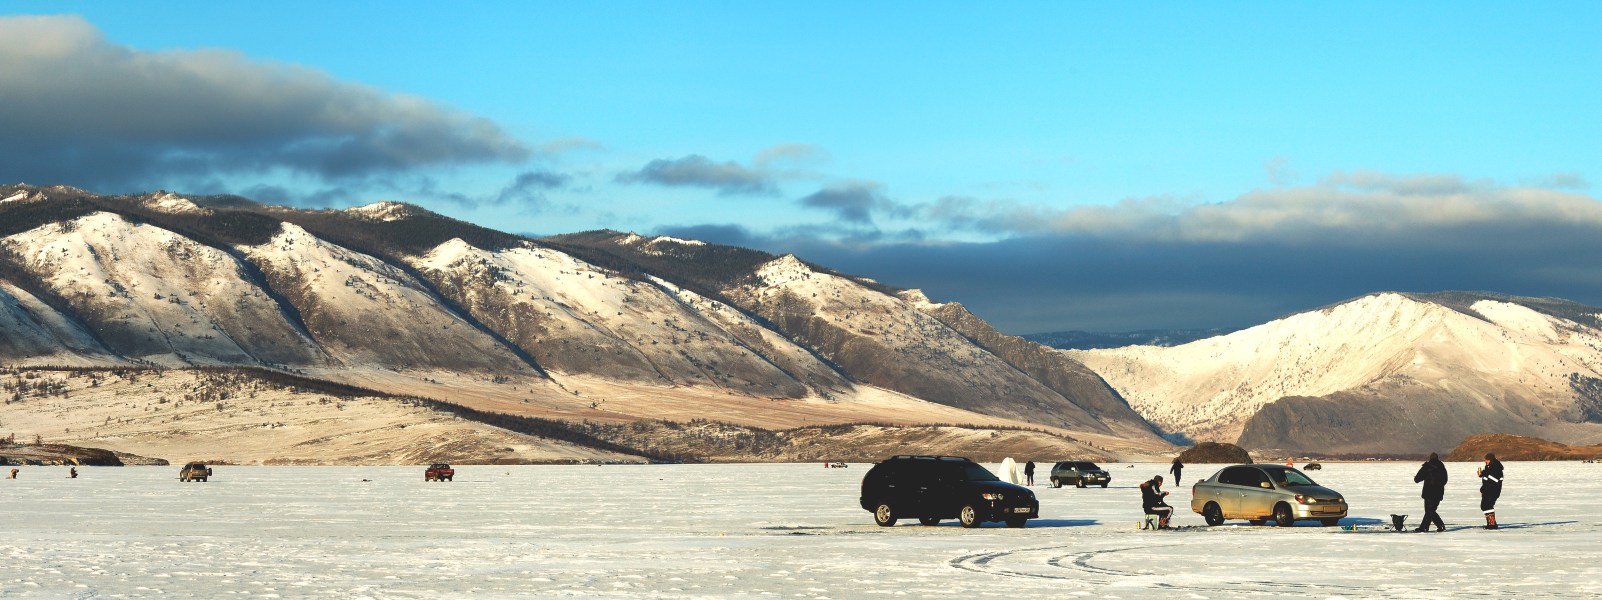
(1050, 165)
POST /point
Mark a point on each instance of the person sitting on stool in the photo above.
(1151, 501)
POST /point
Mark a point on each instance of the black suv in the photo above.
(931, 488)
(1080, 473)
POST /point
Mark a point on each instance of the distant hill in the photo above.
(1514, 447)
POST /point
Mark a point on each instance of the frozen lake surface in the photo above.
(791, 530)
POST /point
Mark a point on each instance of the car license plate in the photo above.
(1020, 510)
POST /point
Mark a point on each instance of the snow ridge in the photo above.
(1208, 388)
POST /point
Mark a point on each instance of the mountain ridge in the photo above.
(600, 326)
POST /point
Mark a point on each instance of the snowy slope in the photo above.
(578, 318)
(152, 294)
(366, 312)
(37, 334)
(172, 203)
(382, 211)
(888, 342)
(1503, 357)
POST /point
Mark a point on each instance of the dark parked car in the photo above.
(931, 488)
(194, 472)
(1079, 473)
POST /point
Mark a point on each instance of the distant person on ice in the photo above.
(1490, 488)
(1176, 468)
(1151, 501)
(1029, 472)
(1433, 475)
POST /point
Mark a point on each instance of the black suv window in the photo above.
(1087, 466)
(974, 472)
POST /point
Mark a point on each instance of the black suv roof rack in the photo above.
(929, 457)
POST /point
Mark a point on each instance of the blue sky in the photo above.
(933, 145)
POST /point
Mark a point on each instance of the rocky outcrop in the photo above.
(1214, 453)
(59, 454)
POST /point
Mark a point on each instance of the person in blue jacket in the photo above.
(1490, 488)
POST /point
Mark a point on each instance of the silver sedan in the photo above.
(1259, 493)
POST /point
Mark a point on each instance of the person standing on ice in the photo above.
(1029, 472)
(1490, 488)
(1175, 469)
(1433, 475)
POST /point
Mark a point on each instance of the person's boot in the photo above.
(1490, 521)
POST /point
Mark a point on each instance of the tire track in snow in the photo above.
(1078, 567)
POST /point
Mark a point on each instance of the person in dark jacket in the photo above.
(1490, 488)
(1433, 475)
(1176, 468)
(1029, 472)
(1151, 501)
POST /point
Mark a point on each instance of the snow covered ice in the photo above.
(782, 530)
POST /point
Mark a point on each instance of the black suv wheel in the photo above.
(884, 515)
(968, 516)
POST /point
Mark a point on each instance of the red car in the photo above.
(439, 472)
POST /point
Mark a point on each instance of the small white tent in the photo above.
(1010, 472)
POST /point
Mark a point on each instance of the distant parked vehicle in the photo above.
(1313, 467)
(1079, 473)
(1259, 493)
(194, 472)
(931, 488)
(439, 472)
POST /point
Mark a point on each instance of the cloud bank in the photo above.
(1161, 263)
(77, 108)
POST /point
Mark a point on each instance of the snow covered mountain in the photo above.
(1384, 373)
(886, 338)
(599, 327)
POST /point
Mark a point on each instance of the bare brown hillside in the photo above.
(1518, 447)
